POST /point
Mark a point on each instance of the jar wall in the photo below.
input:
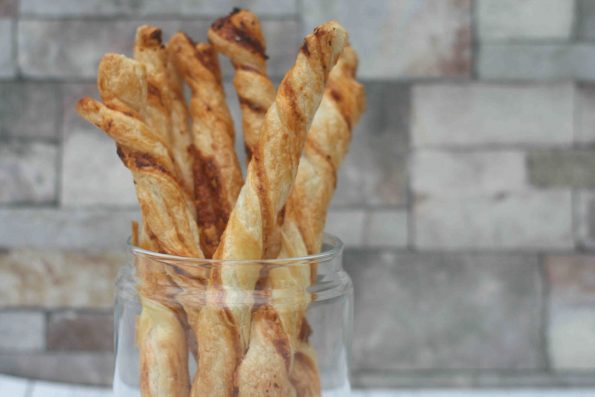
(329, 318)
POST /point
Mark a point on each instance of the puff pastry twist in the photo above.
(167, 211)
(224, 326)
(217, 173)
(239, 36)
(279, 353)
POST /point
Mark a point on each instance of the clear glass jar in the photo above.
(169, 291)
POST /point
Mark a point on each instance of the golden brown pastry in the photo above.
(302, 231)
(167, 114)
(239, 36)
(270, 177)
(217, 172)
(168, 221)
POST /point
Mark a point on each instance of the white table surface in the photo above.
(18, 387)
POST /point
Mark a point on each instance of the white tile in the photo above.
(386, 228)
(525, 20)
(476, 114)
(401, 38)
(22, 330)
(13, 387)
(524, 62)
(47, 389)
(572, 339)
(57, 228)
(463, 174)
(348, 225)
(28, 173)
(528, 220)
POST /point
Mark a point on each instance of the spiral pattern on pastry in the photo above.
(270, 177)
(305, 215)
(239, 36)
(217, 173)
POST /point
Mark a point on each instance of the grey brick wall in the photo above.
(467, 201)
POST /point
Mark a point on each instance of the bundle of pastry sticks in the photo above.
(196, 203)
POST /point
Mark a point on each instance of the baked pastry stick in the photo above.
(167, 112)
(283, 323)
(217, 173)
(167, 211)
(239, 37)
(225, 321)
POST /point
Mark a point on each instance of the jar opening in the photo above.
(332, 247)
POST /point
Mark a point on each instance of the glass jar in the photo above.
(160, 296)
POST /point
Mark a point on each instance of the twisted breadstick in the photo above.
(162, 337)
(239, 37)
(225, 322)
(166, 111)
(305, 215)
(217, 172)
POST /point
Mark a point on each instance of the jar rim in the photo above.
(332, 246)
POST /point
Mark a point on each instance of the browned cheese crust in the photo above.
(239, 36)
(271, 174)
(217, 172)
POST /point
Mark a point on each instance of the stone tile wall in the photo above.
(466, 201)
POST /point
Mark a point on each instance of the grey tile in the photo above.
(8, 8)
(79, 368)
(30, 110)
(446, 311)
(22, 331)
(271, 7)
(584, 116)
(59, 228)
(479, 114)
(584, 219)
(7, 63)
(480, 383)
(562, 168)
(75, 8)
(72, 49)
(58, 279)
(72, 330)
(348, 225)
(186, 7)
(28, 173)
(520, 220)
(571, 312)
(404, 38)
(585, 19)
(386, 228)
(536, 62)
(547, 20)
(441, 173)
(375, 169)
